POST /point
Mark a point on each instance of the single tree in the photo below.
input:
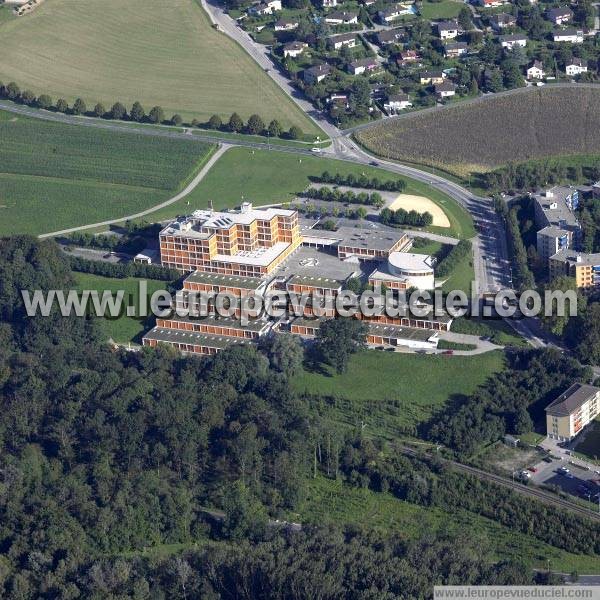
(338, 339)
(62, 105)
(235, 123)
(79, 107)
(13, 91)
(118, 111)
(176, 120)
(137, 112)
(285, 352)
(215, 122)
(275, 129)
(44, 101)
(295, 133)
(99, 110)
(156, 114)
(28, 97)
(255, 125)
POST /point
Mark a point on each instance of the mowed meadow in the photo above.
(479, 136)
(157, 52)
(54, 176)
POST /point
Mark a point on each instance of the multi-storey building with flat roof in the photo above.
(555, 208)
(551, 240)
(572, 411)
(249, 242)
(584, 268)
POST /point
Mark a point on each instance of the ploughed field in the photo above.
(487, 133)
(157, 52)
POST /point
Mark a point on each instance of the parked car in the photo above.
(532, 469)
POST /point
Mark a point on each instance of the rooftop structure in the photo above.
(556, 206)
(405, 270)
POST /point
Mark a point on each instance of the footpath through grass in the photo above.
(54, 176)
(332, 501)
(270, 177)
(392, 392)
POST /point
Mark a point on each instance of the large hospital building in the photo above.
(254, 251)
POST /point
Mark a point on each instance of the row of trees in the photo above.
(523, 278)
(335, 195)
(123, 270)
(537, 174)
(510, 402)
(130, 245)
(361, 181)
(457, 254)
(319, 212)
(405, 217)
(430, 483)
(156, 115)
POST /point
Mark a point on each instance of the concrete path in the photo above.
(205, 169)
(483, 346)
(436, 237)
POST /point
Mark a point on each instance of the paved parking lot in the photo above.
(580, 473)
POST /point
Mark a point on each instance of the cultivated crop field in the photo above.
(160, 53)
(485, 134)
(54, 176)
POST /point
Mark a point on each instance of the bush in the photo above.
(156, 114)
(118, 111)
(44, 101)
(79, 107)
(215, 122)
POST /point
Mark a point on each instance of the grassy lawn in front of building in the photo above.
(125, 328)
(271, 177)
(390, 393)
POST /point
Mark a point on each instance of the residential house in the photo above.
(329, 3)
(265, 8)
(455, 49)
(502, 21)
(338, 100)
(407, 57)
(559, 16)
(511, 41)
(570, 35)
(294, 49)
(316, 74)
(446, 89)
(342, 18)
(390, 14)
(337, 42)
(536, 70)
(363, 65)
(389, 36)
(432, 77)
(286, 24)
(397, 103)
(447, 30)
(576, 66)
(491, 3)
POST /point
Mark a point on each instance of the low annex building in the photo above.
(568, 415)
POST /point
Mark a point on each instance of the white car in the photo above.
(564, 469)
(316, 150)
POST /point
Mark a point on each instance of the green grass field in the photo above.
(390, 392)
(160, 53)
(447, 9)
(54, 176)
(124, 329)
(497, 329)
(264, 177)
(332, 501)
